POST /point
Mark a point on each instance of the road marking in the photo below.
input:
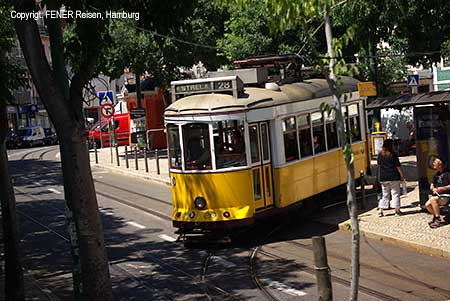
(167, 237)
(54, 190)
(35, 183)
(105, 212)
(284, 288)
(58, 155)
(136, 225)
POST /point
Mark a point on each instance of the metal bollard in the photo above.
(157, 162)
(145, 159)
(363, 189)
(95, 151)
(136, 159)
(323, 275)
(127, 165)
(117, 155)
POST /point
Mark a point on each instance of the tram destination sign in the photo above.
(208, 85)
(225, 85)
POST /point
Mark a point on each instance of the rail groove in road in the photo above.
(133, 192)
(210, 287)
(136, 206)
(115, 265)
(364, 289)
(371, 267)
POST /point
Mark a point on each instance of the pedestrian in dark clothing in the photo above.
(390, 174)
(440, 188)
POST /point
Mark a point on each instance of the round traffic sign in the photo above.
(107, 110)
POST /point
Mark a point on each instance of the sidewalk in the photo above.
(108, 162)
(410, 230)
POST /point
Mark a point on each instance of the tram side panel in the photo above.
(312, 176)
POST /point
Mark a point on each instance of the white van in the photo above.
(31, 136)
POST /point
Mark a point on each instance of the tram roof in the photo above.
(253, 98)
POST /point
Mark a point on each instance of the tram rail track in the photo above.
(195, 279)
(332, 255)
(254, 252)
(208, 286)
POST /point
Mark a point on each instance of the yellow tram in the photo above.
(238, 152)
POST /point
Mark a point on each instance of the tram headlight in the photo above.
(200, 203)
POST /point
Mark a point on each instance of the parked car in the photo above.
(104, 129)
(50, 136)
(31, 136)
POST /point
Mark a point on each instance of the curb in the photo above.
(135, 175)
(427, 250)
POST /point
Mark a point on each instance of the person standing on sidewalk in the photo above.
(440, 188)
(390, 173)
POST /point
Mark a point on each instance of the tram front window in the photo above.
(229, 143)
(174, 146)
(197, 150)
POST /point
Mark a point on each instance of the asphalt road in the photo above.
(273, 261)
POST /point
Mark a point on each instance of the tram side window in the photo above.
(197, 150)
(254, 143)
(174, 146)
(304, 136)
(229, 143)
(290, 139)
(354, 125)
(331, 128)
(345, 121)
(318, 132)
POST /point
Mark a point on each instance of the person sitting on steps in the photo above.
(440, 188)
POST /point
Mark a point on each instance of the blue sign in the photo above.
(106, 97)
(413, 80)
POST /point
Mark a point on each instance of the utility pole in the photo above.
(138, 91)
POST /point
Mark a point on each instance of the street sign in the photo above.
(107, 110)
(106, 97)
(137, 113)
(367, 89)
(413, 80)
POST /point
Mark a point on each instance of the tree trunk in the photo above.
(351, 195)
(79, 188)
(14, 285)
(82, 202)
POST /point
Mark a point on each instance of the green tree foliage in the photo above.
(12, 75)
(207, 25)
(249, 32)
(417, 30)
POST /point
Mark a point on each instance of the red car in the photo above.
(104, 127)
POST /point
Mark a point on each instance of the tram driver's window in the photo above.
(353, 117)
(229, 145)
(318, 132)
(290, 139)
(197, 150)
(304, 136)
(174, 146)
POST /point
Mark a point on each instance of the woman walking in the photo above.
(390, 174)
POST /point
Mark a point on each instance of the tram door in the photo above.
(261, 164)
